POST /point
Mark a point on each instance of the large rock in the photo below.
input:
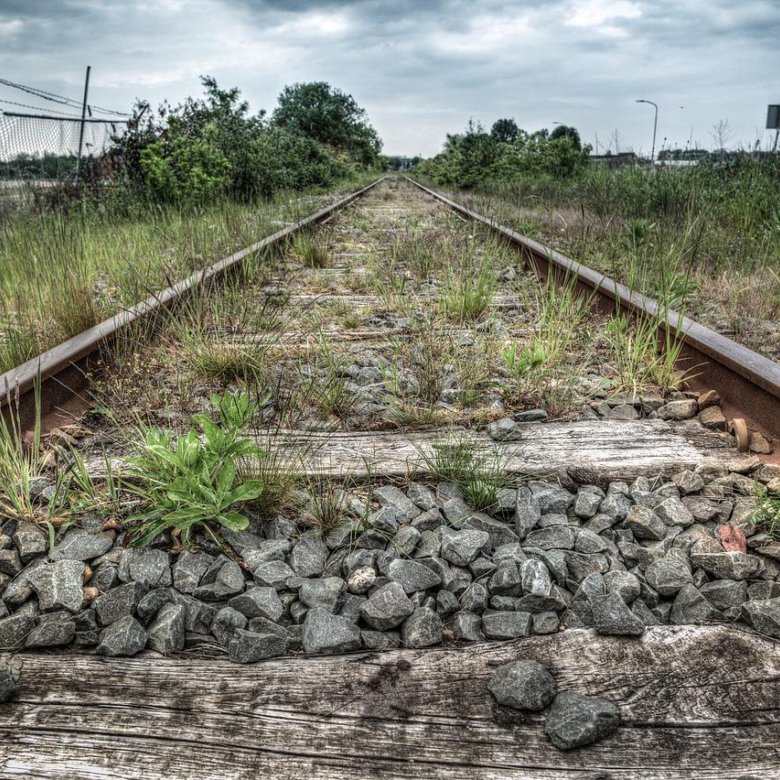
(247, 647)
(412, 576)
(222, 580)
(391, 496)
(258, 602)
(324, 632)
(612, 616)
(575, 720)
(30, 541)
(506, 625)
(423, 628)
(59, 585)
(763, 615)
(309, 556)
(361, 580)
(273, 574)
(523, 685)
(691, 607)
(554, 537)
(14, 630)
(189, 569)
(498, 531)
(326, 593)
(670, 574)
(55, 629)
(645, 523)
(726, 565)
(527, 512)
(552, 499)
(466, 626)
(673, 512)
(80, 545)
(387, 607)
(166, 634)
(152, 568)
(505, 429)
(678, 410)
(225, 623)
(125, 637)
(119, 602)
(462, 547)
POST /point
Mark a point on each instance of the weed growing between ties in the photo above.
(196, 480)
(637, 360)
(45, 481)
(479, 473)
(765, 516)
(544, 370)
(312, 249)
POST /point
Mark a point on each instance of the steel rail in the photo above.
(748, 383)
(59, 374)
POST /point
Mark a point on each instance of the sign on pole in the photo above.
(773, 118)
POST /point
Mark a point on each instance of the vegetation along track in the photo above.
(554, 477)
(748, 384)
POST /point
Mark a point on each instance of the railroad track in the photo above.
(748, 383)
(373, 360)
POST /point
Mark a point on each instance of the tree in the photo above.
(564, 131)
(505, 131)
(329, 116)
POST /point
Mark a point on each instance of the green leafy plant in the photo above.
(521, 362)
(194, 481)
(766, 511)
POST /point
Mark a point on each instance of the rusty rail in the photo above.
(61, 373)
(748, 383)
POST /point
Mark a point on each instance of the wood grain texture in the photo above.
(696, 702)
(605, 450)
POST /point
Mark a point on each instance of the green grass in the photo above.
(311, 249)
(702, 239)
(479, 474)
(61, 272)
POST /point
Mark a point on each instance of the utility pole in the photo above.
(83, 117)
(655, 127)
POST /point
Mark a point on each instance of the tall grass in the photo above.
(62, 271)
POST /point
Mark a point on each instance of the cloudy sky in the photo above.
(422, 69)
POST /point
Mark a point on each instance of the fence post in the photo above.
(83, 117)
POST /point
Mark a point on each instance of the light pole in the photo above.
(655, 127)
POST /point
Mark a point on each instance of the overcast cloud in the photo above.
(422, 69)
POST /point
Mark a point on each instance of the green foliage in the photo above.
(479, 474)
(476, 158)
(636, 359)
(522, 362)
(204, 149)
(766, 511)
(569, 133)
(330, 117)
(194, 480)
(505, 131)
(186, 168)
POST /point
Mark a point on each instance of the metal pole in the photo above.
(774, 146)
(655, 127)
(83, 117)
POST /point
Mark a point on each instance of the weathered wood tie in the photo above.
(696, 702)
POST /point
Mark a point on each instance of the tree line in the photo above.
(504, 152)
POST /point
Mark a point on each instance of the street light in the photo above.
(655, 127)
